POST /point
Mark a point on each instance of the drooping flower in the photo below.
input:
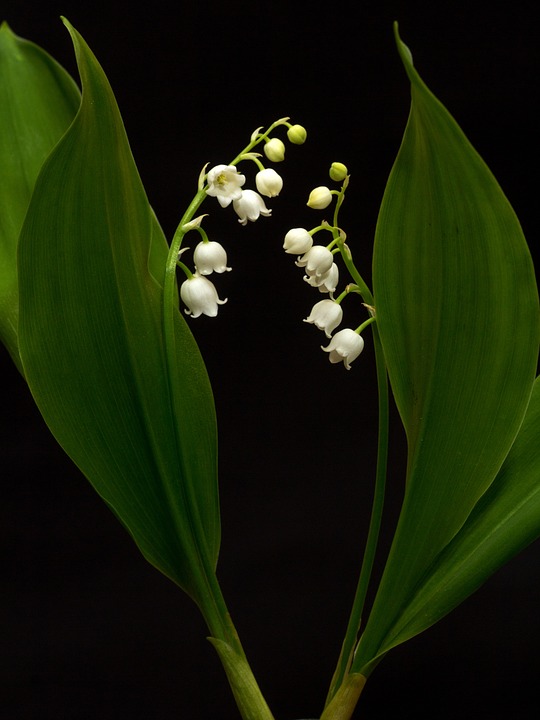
(200, 296)
(210, 256)
(297, 241)
(269, 182)
(274, 150)
(345, 345)
(249, 206)
(225, 183)
(319, 198)
(317, 261)
(327, 282)
(326, 315)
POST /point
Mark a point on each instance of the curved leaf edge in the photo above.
(475, 513)
(504, 522)
(157, 248)
(9, 305)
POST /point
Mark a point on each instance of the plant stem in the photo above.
(355, 619)
(208, 596)
(225, 640)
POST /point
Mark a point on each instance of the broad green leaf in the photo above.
(457, 310)
(505, 520)
(38, 101)
(92, 346)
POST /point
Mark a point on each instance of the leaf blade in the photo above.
(98, 370)
(38, 101)
(453, 281)
(504, 521)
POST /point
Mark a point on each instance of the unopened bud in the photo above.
(338, 171)
(319, 198)
(268, 182)
(274, 150)
(297, 134)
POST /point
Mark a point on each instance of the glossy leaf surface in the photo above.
(457, 310)
(92, 343)
(38, 101)
(504, 521)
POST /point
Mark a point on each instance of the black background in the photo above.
(88, 629)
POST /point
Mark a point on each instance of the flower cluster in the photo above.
(226, 184)
(322, 272)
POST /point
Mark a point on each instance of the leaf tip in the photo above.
(6, 31)
(69, 27)
(404, 50)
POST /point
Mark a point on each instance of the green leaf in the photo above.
(38, 101)
(457, 310)
(91, 338)
(505, 520)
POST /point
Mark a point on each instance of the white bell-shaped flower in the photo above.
(269, 183)
(330, 280)
(327, 282)
(297, 241)
(345, 345)
(249, 206)
(210, 256)
(200, 296)
(317, 261)
(326, 315)
(225, 183)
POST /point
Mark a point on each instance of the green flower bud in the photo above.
(338, 171)
(275, 150)
(297, 134)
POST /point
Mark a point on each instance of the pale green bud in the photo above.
(319, 198)
(338, 171)
(274, 150)
(297, 134)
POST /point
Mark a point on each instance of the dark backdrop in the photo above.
(89, 630)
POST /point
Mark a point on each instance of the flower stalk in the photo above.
(226, 183)
(346, 685)
(355, 619)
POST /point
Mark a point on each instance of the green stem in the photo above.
(209, 597)
(365, 292)
(351, 634)
(257, 140)
(225, 640)
(170, 296)
(360, 329)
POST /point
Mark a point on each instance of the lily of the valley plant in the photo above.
(117, 375)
